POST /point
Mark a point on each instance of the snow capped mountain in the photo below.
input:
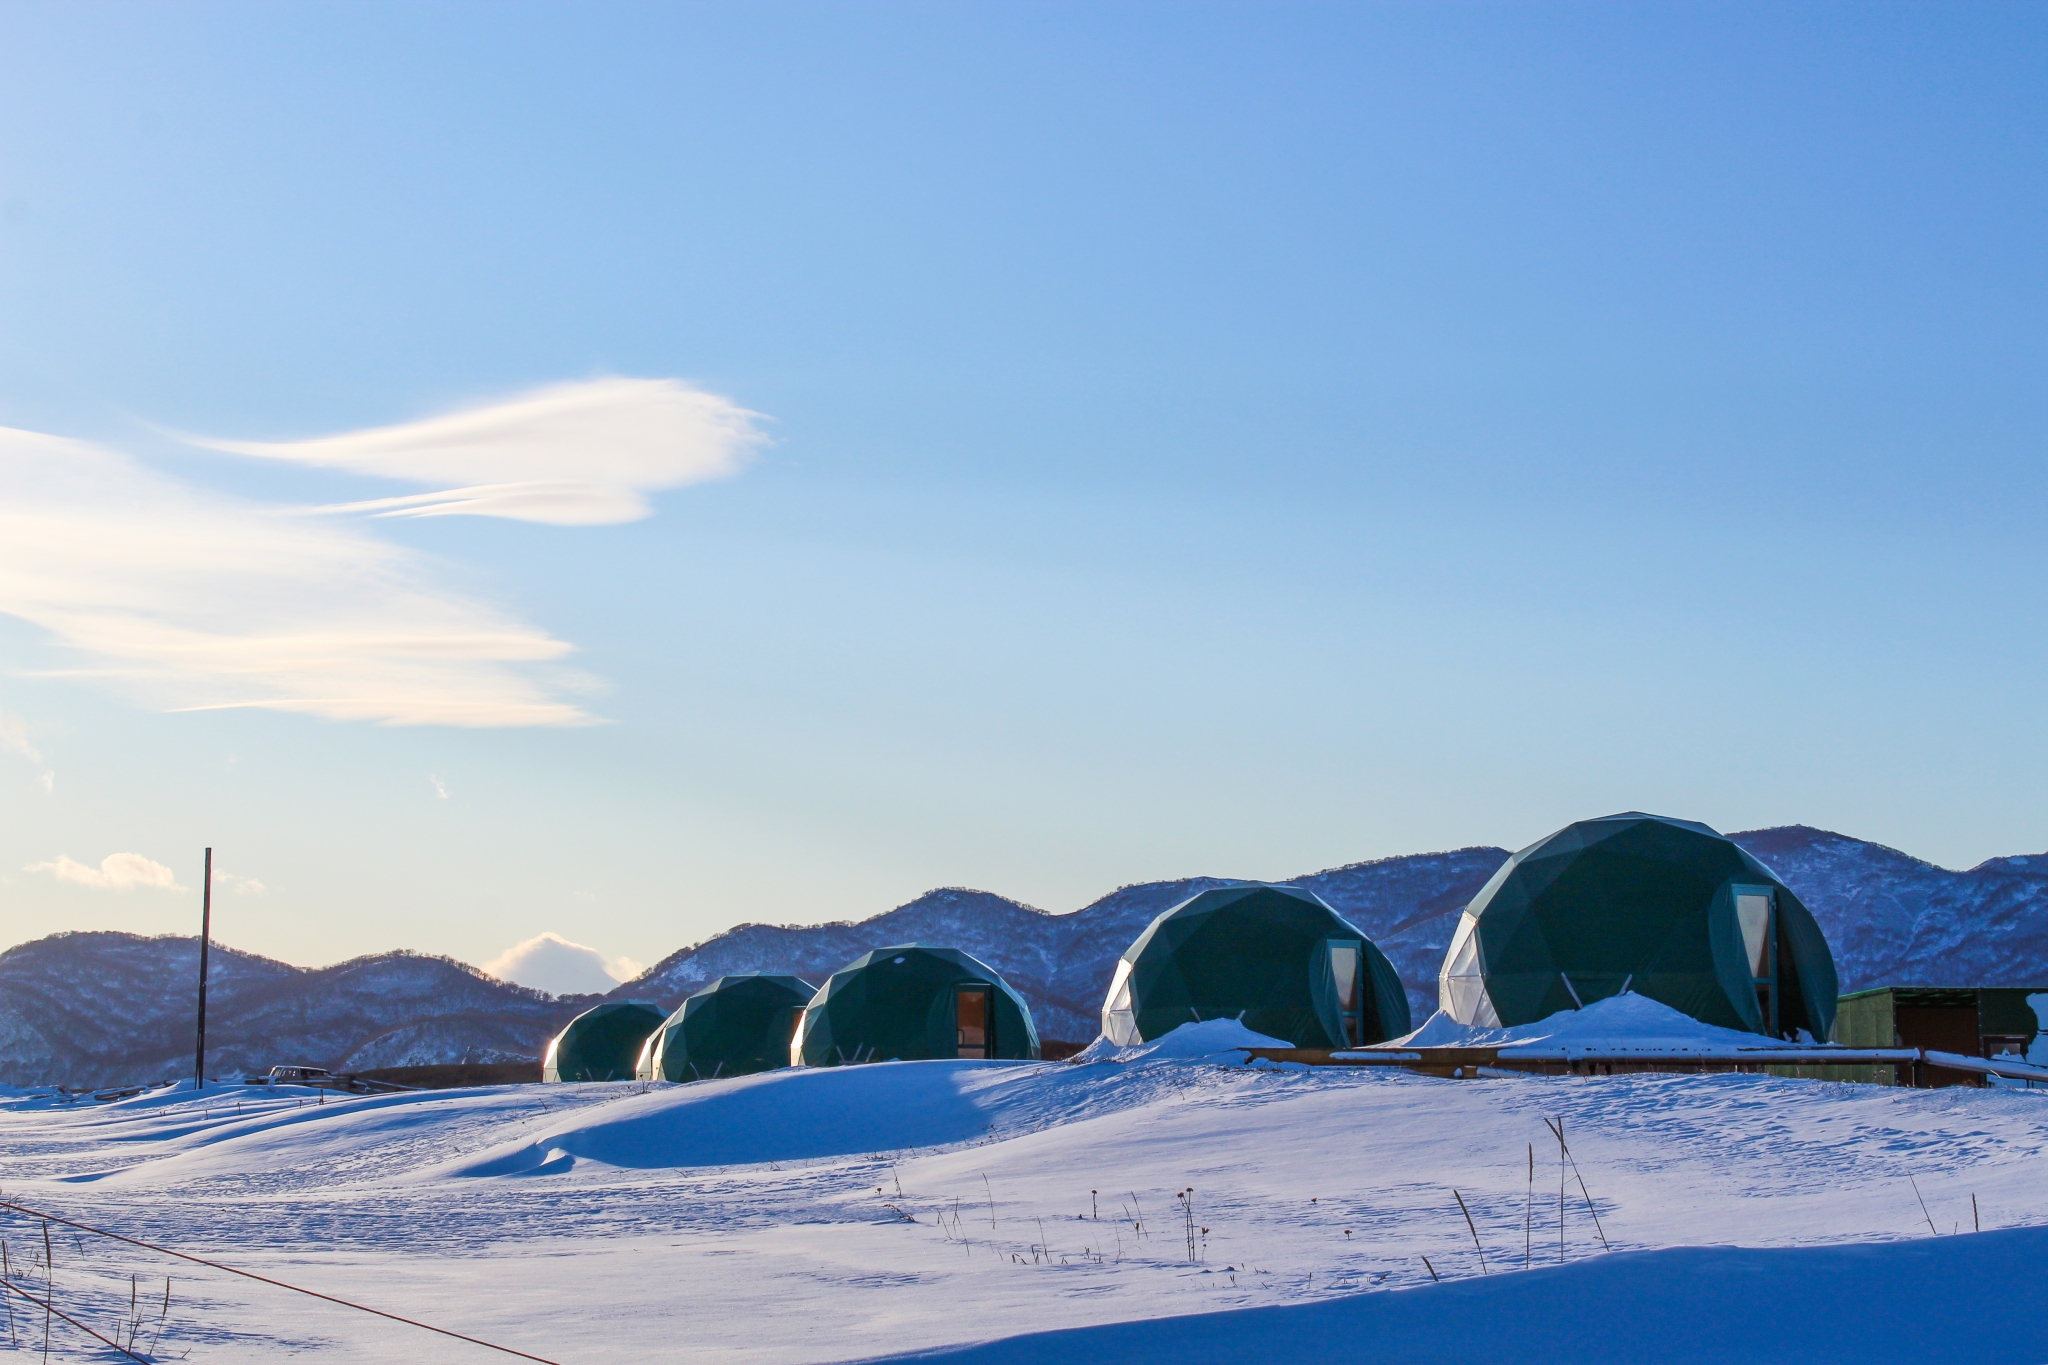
(1892, 920)
(1061, 963)
(1895, 920)
(88, 1009)
(104, 1008)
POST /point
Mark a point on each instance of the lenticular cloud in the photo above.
(549, 962)
(584, 454)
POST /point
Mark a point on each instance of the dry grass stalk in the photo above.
(1473, 1228)
(1529, 1212)
(1923, 1207)
(1591, 1208)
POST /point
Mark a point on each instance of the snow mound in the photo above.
(1537, 1317)
(1620, 1023)
(802, 1113)
(1213, 1038)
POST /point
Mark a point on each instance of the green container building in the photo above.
(735, 1025)
(914, 1002)
(1276, 958)
(2000, 1022)
(1666, 908)
(602, 1043)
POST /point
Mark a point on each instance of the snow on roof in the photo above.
(1189, 1042)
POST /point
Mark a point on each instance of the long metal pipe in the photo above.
(1762, 1056)
(1802, 1056)
(1773, 1056)
(2012, 1071)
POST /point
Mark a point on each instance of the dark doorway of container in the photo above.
(1927, 1020)
(974, 1010)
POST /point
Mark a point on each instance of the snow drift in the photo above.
(1171, 1205)
(1620, 1023)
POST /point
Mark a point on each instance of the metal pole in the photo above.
(205, 942)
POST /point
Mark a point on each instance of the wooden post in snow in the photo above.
(205, 942)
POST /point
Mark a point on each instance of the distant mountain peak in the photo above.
(96, 1007)
(1808, 839)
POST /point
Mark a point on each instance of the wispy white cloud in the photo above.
(241, 886)
(583, 454)
(116, 872)
(196, 601)
(14, 732)
(440, 787)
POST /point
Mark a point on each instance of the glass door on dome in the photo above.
(974, 1011)
(1344, 974)
(1755, 915)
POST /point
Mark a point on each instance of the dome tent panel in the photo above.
(1389, 999)
(734, 1026)
(1807, 977)
(1647, 904)
(602, 1043)
(914, 1002)
(1275, 957)
(1461, 985)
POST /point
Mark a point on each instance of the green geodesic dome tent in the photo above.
(1666, 908)
(602, 1043)
(913, 1002)
(1274, 957)
(735, 1025)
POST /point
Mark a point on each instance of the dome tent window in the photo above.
(1275, 958)
(1344, 982)
(914, 1002)
(1666, 908)
(1753, 916)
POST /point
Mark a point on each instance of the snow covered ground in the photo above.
(875, 1211)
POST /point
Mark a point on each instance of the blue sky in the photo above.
(1077, 444)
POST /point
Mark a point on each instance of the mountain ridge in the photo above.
(92, 1008)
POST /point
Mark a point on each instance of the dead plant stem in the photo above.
(1923, 1207)
(1473, 1229)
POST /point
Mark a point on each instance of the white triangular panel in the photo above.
(1461, 985)
(1119, 1019)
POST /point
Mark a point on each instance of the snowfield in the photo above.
(1025, 1211)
